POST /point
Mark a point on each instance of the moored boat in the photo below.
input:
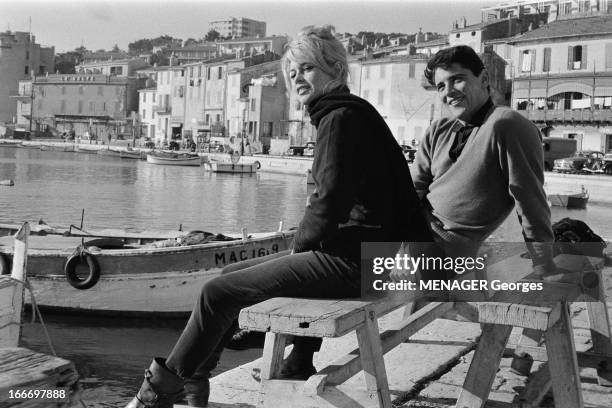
(109, 152)
(576, 201)
(80, 149)
(109, 277)
(130, 154)
(224, 167)
(174, 159)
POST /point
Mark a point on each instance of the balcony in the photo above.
(569, 115)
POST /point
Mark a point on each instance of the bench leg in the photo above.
(563, 362)
(371, 353)
(599, 322)
(273, 354)
(483, 368)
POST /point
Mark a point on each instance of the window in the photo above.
(208, 73)
(80, 89)
(153, 97)
(190, 72)
(220, 75)
(101, 93)
(576, 57)
(253, 103)
(63, 90)
(381, 97)
(144, 114)
(199, 70)
(27, 54)
(527, 60)
(63, 106)
(103, 106)
(207, 119)
(27, 70)
(473, 33)
(92, 107)
(80, 108)
(457, 35)
(40, 104)
(382, 72)
(546, 63)
(217, 118)
(411, 69)
(367, 72)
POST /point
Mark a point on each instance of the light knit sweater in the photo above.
(501, 165)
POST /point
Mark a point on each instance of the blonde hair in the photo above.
(320, 47)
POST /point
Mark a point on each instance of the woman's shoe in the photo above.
(160, 388)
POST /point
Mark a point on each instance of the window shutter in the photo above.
(533, 60)
(570, 57)
(546, 64)
(609, 55)
(583, 65)
(520, 64)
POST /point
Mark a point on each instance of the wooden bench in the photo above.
(20, 368)
(282, 318)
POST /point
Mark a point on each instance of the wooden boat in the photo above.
(8, 182)
(174, 159)
(109, 152)
(57, 148)
(130, 154)
(80, 149)
(576, 201)
(225, 167)
(110, 277)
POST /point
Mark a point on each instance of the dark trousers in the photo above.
(212, 323)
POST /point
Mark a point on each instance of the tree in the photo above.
(190, 41)
(116, 48)
(212, 35)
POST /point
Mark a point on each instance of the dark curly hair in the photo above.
(460, 54)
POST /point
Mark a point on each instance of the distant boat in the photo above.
(577, 200)
(224, 167)
(109, 152)
(85, 150)
(109, 277)
(174, 159)
(57, 148)
(130, 154)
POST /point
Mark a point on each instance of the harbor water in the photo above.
(111, 354)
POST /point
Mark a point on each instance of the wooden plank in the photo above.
(21, 368)
(563, 363)
(313, 317)
(533, 317)
(481, 374)
(273, 354)
(10, 330)
(536, 388)
(372, 360)
(350, 364)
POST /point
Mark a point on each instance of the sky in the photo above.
(99, 24)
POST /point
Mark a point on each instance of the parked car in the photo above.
(602, 166)
(305, 150)
(557, 148)
(577, 163)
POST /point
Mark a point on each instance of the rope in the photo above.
(35, 311)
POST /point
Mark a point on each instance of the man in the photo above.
(473, 167)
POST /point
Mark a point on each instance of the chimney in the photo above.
(464, 21)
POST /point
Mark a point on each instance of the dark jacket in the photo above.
(363, 189)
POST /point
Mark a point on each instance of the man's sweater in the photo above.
(501, 165)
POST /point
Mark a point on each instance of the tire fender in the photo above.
(71, 275)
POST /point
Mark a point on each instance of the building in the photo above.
(252, 45)
(551, 9)
(477, 35)
(563, 79)
(146, 115)
(194, 53)
(256, 105)
(122, 67)
(89, 104)
(238, 27)
(98, 56)
(20, 58)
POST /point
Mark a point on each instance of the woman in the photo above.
(363, 192)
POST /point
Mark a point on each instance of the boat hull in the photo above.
(143, 281)
(575, 201)
(171, 161)
(240, 168)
